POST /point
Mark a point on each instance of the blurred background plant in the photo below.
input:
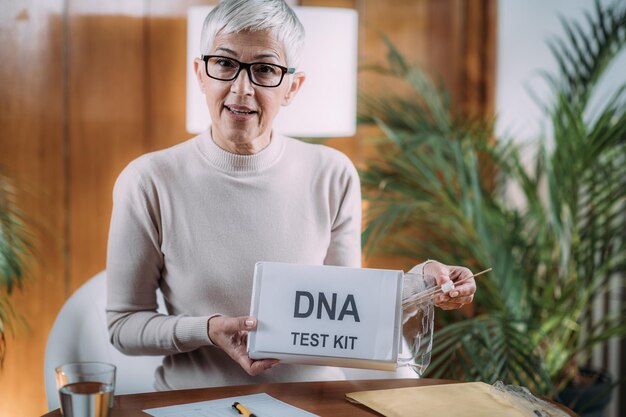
(15, 252)
(443, 187)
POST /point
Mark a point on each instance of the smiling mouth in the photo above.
(239, 111)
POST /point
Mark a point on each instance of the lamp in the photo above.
(326, 103)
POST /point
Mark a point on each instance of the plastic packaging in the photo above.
(418, 316)
(526, 402)
(418, 319)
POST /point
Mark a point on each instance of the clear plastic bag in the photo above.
(526, 402)
(418, 319)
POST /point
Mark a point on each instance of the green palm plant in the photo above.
(15, 250)
(440, 188)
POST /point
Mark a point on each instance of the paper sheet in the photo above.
(262, 405)
(451, 400)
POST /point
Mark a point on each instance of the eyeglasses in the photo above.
(260, 73)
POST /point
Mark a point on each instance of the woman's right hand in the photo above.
(231, 335)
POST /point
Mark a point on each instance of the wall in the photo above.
(87, 86)
(522, 50)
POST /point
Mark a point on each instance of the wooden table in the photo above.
(325, 399)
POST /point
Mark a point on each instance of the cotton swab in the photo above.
(431, 293)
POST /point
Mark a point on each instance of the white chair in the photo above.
(80, 334)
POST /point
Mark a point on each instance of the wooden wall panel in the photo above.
(107, 119)
(166, 37)
(31, 151)
(451, 40)
(478, 76)
(87, 86)
(166, 81)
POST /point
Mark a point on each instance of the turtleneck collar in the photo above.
(235, 163)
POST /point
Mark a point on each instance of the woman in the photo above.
(194, 219)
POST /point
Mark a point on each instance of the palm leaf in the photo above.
(15, 251)
(553, 252)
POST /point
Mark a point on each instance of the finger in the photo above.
(244, 361)
(260, 366)
(449, 306)
(448, 298)
(257, 367)
(442, 279)
(463, 291)
(460, 272)
(442, 300)
(455, 296)
(442, 275)
(463, 300)
(246, 323)
(236, 324)
(224, 330)
(249, 365)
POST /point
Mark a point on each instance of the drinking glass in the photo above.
(418, 319)
(85, 388)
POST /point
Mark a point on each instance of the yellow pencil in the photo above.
(243, 410)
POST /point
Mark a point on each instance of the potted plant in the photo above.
(15, 250)
(440, 188)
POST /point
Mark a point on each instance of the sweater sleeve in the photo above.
(345, 240)
(134, 264)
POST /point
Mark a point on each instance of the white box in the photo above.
(326, 315)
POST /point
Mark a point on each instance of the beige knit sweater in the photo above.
(194, 219)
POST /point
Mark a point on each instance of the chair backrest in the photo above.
(80, 334)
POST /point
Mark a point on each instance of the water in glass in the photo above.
(86, 399)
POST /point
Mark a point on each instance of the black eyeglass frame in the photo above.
(246, 66)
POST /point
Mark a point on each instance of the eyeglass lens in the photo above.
(226, 69)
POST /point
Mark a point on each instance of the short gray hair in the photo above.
(232, 16)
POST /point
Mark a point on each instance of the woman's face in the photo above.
(241, 112)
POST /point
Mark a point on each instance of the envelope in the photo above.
(450, 400)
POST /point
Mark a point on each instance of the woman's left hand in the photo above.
(461, 294)
(231, 335)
